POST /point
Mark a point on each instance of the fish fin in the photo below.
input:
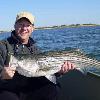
(96, 74)
(52, 78)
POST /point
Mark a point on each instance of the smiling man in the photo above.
(14, 86)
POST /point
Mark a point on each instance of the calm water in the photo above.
(84, 38)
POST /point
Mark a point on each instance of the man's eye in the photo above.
(24, 25)
(27, 25)
(20, 24)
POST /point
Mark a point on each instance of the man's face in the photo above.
(23, 29)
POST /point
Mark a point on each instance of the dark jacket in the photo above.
(19, 82)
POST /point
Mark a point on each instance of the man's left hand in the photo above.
(66, 67)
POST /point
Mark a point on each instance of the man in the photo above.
(14, 86)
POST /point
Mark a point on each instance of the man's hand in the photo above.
(8, 72)
(66, 67)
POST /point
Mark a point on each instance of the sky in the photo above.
(50, 12)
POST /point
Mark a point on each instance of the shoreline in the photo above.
(62, 26)
(67, 26)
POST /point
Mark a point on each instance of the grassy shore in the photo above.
(65, 26)
(61, 26)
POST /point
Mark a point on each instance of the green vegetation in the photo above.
(62, 26)
(65, 26)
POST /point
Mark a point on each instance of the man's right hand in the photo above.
(8, 72)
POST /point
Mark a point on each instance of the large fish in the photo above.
(50, 62)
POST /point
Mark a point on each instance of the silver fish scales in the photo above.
(50, 62)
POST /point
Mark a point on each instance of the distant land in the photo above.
(60, 26)
(65, 26)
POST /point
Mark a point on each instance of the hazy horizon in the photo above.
(51, 12)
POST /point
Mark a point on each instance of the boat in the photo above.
(77, 86)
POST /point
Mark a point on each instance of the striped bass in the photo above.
(50, 62)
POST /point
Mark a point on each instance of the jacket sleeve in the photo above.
(2, 55)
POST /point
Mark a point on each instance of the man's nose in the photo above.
(24, 27)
